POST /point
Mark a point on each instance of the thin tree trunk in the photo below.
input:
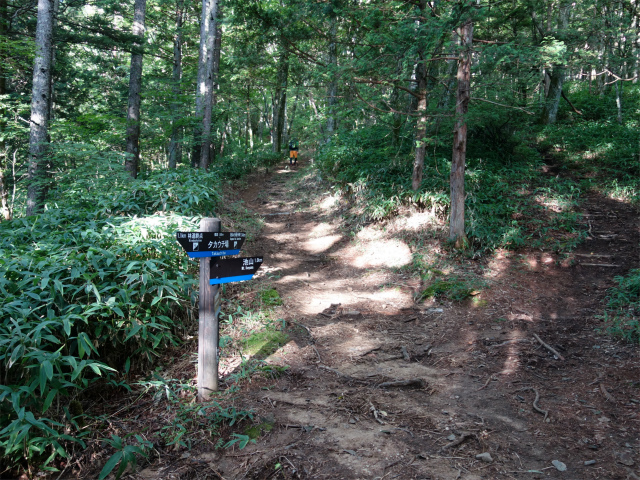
(205, 77)
(293, 114)
(619, 101)
(217, 46)
(332, 90)
(456, 221)
(280, 100)
(132, 161)
(38, 145)
(421, 108)
(5, 210)
(175, 144)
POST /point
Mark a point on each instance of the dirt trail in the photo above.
(473, 370)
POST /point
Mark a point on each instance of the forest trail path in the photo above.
(478, 368)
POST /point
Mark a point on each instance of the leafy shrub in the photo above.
(85, 288)
(623, 307)
(453, 288)
(502, 207)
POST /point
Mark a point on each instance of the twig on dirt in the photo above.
(509, 342)
(606, 394)
(303, 326)
(305, 427)
(599, 265)
(535, 402)
(292, 465)
(339, 373)
(405, 353)
(592, 255)
(455, 443)
(486, 383)
(410, 319)
(548, 347)
(369, 351)
(413, 382)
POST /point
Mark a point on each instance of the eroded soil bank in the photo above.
(382, 387)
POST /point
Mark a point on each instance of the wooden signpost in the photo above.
(208, 245)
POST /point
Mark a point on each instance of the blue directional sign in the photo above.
(211, 244)
(227, 270)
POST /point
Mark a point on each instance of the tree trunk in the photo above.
(619, 101)
(280, 101)
(458, 159)
(421, 109)
(205, 83)
(552, 101)
(40, 99)
(332, 90)
(132, 162)
(175, 144)
(5, 210)
(217, 46)
(421, 128)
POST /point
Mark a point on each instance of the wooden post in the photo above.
(208, 323)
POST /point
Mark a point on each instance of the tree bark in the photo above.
(217, 46)
(5, 210)
(552, 101)
(332, 90)
(175, 144)
(458, 159)
(280, 100)
(40, 98)
(205, 83)
(132, 161)
(421, 109)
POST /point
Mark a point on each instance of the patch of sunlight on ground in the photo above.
(418, 221)
(499, 264)
(321, 244)
(381, 253)
(329, 202)
(321, 230)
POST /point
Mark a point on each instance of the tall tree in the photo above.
(40, 100)
(202, 133)
(135, 85)
(175, 143)
(456, 220)
(332, 90)
(280, 97)
(5, 210)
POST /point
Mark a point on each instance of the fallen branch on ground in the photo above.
(457, 442)
(486, 384)
(607, 395)
(548, 347)
(413, 382)
(535, 402)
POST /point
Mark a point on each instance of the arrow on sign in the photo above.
(229, 270)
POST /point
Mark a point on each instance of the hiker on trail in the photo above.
(293, 151)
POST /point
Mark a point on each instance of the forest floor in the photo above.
(380, 386)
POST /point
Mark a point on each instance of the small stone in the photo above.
(451, 437)
(485, 457)
(561, 467)
(626, 459)
(352, 421)
(589, 462)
